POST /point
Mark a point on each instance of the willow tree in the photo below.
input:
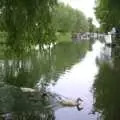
(26, 22)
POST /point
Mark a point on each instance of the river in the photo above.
(77, 82)
(87, 69)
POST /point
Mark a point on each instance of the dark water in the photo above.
(87, 69)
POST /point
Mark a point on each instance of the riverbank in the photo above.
(63, 37)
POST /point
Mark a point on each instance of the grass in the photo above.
(63, 37)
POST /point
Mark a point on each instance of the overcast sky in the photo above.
(86, 6)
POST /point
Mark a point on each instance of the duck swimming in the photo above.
(72, 103)
(64, 101)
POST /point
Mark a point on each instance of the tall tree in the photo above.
(107, 12)
(23, 20)
(67, 19)
(90, 24)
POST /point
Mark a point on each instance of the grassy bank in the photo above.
(63, 37)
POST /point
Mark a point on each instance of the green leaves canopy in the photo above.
(23, 20)
(107, 12)
(67, 19)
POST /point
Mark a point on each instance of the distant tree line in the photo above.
(67, 19)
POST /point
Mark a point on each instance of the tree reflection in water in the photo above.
(38, 67)
(106, 88)
(16, 104)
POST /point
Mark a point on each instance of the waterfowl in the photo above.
(72, 103)
(65, 102)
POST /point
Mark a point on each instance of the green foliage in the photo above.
(67, 19)
(26, 21)
(107, 12)
(81, 23)
(63, 18)
(91, 25)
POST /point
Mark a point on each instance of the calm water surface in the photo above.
(87, 69)
(77, 82)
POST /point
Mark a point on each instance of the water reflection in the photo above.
(34, 71)
(106, 86)
(18, 105)
(77, 82)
